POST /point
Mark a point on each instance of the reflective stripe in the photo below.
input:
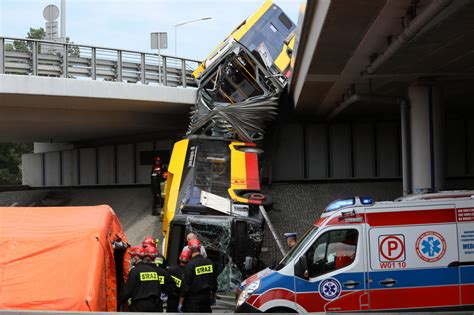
(177, 280)
(201, 270)
(161, 279)
(148, 276)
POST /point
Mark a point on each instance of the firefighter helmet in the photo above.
(136, 251)
(194, 245)
(149, 241)
(150, 251)
(185, 255)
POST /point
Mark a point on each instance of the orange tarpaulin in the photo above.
(59, 258)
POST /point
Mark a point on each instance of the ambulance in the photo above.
(412, 254)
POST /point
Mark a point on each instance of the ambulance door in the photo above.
(413, 258)
(329, 276)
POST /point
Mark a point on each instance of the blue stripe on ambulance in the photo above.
(407, 278)
(416, 277)
(467, 274)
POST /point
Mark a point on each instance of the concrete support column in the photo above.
(426, 137)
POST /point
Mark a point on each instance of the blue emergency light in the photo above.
(341, 203)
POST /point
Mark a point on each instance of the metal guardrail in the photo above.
(70, 60)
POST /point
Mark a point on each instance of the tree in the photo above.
(38, 33)
(10, 162)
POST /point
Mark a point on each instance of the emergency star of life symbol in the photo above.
(329, 289)
(431, 246)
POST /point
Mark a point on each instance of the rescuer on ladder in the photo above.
(145, 283)
(157, 177)
(177, 273)
(199, 286)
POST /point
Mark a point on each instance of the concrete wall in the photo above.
(105, 165)
(339, 151)
(358, 150)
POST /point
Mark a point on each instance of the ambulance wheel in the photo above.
(267, 200)
(281, 310)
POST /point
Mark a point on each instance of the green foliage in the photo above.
(36, 33)
(39, 33)
(10, 162)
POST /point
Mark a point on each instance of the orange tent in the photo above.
(60, 258)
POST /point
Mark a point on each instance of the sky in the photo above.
(127, 24)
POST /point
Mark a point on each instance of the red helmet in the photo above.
(149, 241)
(185, 255)
(136, 251)
(194, 245)
(150, 251)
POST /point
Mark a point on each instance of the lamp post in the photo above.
(176, 31)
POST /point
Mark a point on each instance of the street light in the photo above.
(176, 31)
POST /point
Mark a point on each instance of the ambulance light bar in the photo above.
(366, 200)
(341, 203)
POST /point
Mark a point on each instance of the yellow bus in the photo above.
(213, 190)
(268, 32)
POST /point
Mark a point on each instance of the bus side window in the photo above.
(331, 251)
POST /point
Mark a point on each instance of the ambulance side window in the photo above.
(331, 251)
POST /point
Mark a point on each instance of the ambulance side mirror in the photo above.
(301, 268)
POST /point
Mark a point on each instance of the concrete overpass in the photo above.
(383, 88)
(90, 93)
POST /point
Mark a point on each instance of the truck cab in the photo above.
(415, 253)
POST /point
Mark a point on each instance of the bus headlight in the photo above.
(247, 291)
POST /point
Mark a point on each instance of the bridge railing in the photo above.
(69, 60)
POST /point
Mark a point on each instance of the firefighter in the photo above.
(199, 286)
(160, 260)
(136, 254)
(145, 283)
(177, 273)
(157, 177)
(192, 236)
(290, 239)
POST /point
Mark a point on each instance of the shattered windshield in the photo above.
(215, 235)
(296, 250)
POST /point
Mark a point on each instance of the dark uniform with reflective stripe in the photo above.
(160, 261)
(177, 274)
(198, 284)
(144, 285)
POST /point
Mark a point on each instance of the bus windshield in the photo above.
(295, 251)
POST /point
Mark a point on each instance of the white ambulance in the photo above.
(415, 253)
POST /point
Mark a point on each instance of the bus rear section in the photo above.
(213, 190)
(263, 33)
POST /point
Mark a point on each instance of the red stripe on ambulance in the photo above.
(411, 217)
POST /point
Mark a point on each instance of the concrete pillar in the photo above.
(426, 137)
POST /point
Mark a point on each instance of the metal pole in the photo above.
(94, 63)
(63, 19)
(65, 61)
(119, 66)
(2, 55)
(183, 72)
(272, 229)
(159, 59)
(165, 72)
(143, 72)
(34, 57)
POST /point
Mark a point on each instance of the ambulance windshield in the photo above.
(298, 248)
